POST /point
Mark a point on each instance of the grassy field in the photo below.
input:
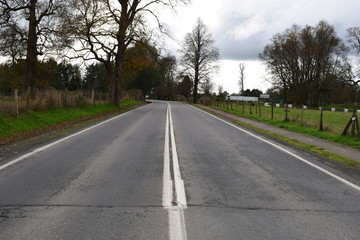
(303, 121)
(32, 120)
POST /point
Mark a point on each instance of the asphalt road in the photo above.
(170, 171)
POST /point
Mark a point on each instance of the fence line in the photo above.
(322, 119)
(42, 100)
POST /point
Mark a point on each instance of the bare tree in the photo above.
(241, 77)
(42, 22)
(353, 79)
(354, 40)
(198, 55)
(220, 89)
(104, 29)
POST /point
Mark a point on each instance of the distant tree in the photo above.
(206, 86)
(95, 78)
(48, 75)
(167, 71)
(198, 56)
(221, 92)
(147, 79)
(220, 89)
(70, 76)
(10, 76)
(241, 77)
(138, 57)
(252, 93)
(354, 40)
(185, 86)
(273, 92)
(306, 62)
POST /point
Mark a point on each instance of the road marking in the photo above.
(23, 157)
(167, 183)
(175, 201)
(343, 180)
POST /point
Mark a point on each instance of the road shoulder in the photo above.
(331, 147)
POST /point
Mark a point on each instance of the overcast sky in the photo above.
(242, 28)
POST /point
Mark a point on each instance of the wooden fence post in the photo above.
(286, 113)
(93, 97)
(17, 102)
(354, 123)
(259, 108)
(321, 119)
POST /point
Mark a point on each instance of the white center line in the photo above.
(176, 206)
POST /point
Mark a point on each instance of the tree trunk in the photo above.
(31, 54)
(196, 83)
(195, 90)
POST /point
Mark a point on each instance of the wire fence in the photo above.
(324, 119)
(42, 100)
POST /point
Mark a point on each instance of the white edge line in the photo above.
(356, 187)
(19, 159)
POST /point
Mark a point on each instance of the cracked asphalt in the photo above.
(107, 183)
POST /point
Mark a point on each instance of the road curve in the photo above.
(108, 183)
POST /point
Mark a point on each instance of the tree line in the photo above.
(114, 38)
(144, 69)
(310, 65)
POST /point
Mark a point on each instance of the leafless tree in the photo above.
(241, 77)
(199, 55)
(29, 23)
(104, 29)
(354, 40)
(306, 62)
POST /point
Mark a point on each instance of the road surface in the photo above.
(171, 171)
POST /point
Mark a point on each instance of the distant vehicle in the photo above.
(242, 98)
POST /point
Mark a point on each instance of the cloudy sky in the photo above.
(242, 28)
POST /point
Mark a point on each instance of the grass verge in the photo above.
(33, 121)
(294, 142)
(296, 127)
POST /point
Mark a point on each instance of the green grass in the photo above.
(334, 122)
(32, 120)
(312, 148)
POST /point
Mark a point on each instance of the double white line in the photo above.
(174, 198)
